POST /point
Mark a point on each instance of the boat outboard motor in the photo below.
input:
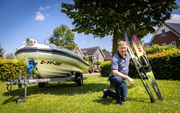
(31, 66)
(31, 42)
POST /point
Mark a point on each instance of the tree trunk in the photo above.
(117, 36)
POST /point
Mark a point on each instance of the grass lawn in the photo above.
(67, 98)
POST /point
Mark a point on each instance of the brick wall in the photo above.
(168, 38)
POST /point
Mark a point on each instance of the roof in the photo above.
(107, 55)
(89, 51)
(78, 50)
(145, 45)
(174, 27)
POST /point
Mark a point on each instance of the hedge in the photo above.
(105, 68)
(156, 48)
(165, 65)
(9, 69)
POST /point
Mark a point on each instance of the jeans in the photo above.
(120, 87)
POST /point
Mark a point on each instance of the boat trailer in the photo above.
(78, 78)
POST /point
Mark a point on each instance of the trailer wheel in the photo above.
(20, 99)
(79, 79)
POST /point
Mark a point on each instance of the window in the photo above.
(163, 33)
(173, 43)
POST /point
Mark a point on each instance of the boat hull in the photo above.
(52, 63)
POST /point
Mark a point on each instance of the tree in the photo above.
(9, 56)
(1, 51)
(115, 17)
(86, 58)
(104, 51)
(63, 37)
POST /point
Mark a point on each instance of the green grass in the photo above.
(67, 98)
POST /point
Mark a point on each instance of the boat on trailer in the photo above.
(52, 64)
(51, 61)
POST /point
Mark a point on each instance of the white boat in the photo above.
(51, 62)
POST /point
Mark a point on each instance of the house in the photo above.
(145, 45)
(94, 54)
(78, 51)
(108, 55)
(169, 33)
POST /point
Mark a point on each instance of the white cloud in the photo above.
(41, 8)
(44, 8)
(175, 18)
(39, 16)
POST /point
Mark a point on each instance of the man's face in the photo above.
(122, 48)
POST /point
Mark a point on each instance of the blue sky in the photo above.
(21, 19)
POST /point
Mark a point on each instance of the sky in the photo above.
(21, 19)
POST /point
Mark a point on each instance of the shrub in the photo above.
(86, 58)
(105, 68)
(156, 48)
(97, 62)
(9, 69)
(165, 65)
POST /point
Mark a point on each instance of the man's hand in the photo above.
(132, 81)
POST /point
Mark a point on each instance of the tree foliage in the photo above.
(9, 56)
(97, 62)
(63, 37)
(1, 51)
(115, 17)
(104, 50)
(86, 58)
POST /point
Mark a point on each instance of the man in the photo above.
(119, 74)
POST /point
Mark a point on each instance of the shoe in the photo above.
(123, 100)
(119, 101)
(105, 94)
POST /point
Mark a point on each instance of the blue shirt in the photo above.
(121, 64)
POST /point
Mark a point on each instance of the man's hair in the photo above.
(122, 43)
